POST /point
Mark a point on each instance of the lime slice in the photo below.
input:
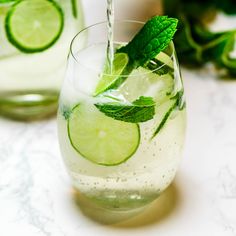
(119, 63)
(34, 26)
(101, 139)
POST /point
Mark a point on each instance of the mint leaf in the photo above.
(141, 110)
(153, 38)
(144, 101)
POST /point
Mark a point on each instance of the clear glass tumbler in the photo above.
(34, 38)
(125, 164)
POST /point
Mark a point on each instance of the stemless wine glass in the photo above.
(120, 164)
(34, 38)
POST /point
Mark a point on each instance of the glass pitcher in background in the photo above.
(34, 43)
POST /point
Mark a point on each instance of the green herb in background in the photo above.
(195, 44)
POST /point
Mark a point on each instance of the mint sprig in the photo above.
(141, 110)
(153, 38)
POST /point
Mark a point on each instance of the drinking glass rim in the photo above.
(171, 44)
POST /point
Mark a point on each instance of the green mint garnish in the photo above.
(153, 38)
(141, 110)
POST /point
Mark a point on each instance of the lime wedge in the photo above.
(107, 79)
(34, 26)
(101, 139)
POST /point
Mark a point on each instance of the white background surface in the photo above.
(36, 198)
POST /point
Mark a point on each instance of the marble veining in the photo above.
(29, 166)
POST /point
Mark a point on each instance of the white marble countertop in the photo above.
(36, 198)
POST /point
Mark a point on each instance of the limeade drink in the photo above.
(121, 130)
(34, 38)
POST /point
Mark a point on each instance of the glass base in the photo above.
(28, 105)
(150, 213)
(103, 213)
(120, 201)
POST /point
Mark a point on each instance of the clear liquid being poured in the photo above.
(110, 25)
